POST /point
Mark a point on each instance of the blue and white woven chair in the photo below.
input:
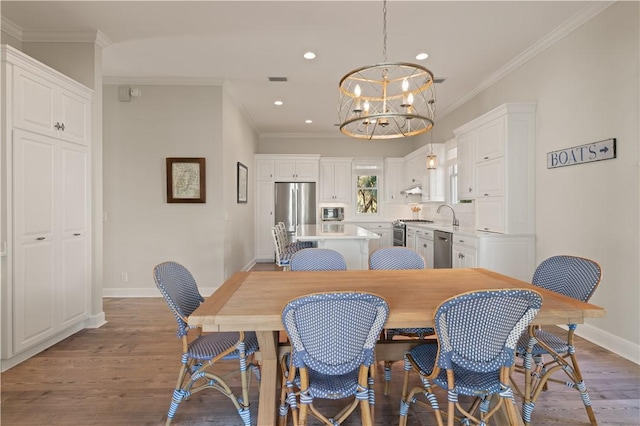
(575, 277)
(333, 336)
(477, 334)
(398, 258)
(200, 352)
(290, 246)
(317, 259)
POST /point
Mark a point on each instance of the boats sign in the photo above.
(596, 151)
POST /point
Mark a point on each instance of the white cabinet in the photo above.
(464, 252)
(296, 169)
(414, 169)
(489, 178)
(335, 180)
(498, 150)
(264, 221)
(44, 105)
(46, 207)
(466, 162)
(424, 246)
(393, 180)
(383, 229)
(265, 169)
(410, 238)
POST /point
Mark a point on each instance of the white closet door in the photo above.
(74, 231)
(34, 259)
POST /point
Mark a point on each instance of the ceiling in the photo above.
(243, 43)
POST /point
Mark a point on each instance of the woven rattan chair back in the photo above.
(395, 258)
(572, 276)
(317, 259)
(333, 336)
(180, 291)
(479, 331)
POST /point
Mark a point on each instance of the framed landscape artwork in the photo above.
(243, 182)
(186, 180)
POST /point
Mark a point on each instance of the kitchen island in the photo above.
(347, 239)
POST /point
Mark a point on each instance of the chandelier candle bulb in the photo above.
(357, 91)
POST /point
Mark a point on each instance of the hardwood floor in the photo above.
(123, 373)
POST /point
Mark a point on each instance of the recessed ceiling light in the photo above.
(422, 56)
(278, 103)
(309, 55)
(308, 121)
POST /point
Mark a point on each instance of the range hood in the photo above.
(412, 190)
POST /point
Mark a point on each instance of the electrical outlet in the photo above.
(124, 277)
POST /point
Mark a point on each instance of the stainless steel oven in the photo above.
(399, 233)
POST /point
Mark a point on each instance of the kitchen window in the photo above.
(367, 194)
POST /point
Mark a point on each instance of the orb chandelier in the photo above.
(387, 100)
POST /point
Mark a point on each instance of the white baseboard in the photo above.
(615, 344)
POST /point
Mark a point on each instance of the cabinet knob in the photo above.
(424, 245)
(57, 126)
(62, 127)
(461, 255)
(470, 189)
(486, 195)
(486, 158)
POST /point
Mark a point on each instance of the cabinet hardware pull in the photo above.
(486, 195)
(57, 126)
(77, 235)
(62, 127)
(486, 158)
(40, 238)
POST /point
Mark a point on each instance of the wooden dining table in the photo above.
(253, 301)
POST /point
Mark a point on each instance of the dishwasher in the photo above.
(442, 242)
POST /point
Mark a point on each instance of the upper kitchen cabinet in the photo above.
(335, 179)
(415, 167)
(265, 169)
(496, 167)
(416, 173)
(393, 183)
(50, 104)
(298, 169)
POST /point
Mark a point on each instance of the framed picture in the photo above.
(243, 182)
(186, 180)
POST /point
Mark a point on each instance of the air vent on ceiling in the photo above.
(277, 78)
(437, 80)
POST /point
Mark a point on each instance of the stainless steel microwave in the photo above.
(332, 213)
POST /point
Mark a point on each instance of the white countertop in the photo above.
(333, 231)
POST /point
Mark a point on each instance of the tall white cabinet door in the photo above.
(264, 221)
(74, 117)
(74, 227)
(34, 102)
(34, 273)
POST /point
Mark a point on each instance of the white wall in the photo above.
(142, 229)
(240, 143)
(587, 89)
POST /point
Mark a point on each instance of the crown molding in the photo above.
(91, 36)
(10, 28)
(540, 46)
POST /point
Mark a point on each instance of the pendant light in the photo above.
(387, 100)
(432, 159)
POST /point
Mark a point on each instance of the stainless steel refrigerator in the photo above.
(295, 204)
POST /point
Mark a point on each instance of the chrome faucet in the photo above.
(455, 221)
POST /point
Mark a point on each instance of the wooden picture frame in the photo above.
(243, 183)
(186, 180)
